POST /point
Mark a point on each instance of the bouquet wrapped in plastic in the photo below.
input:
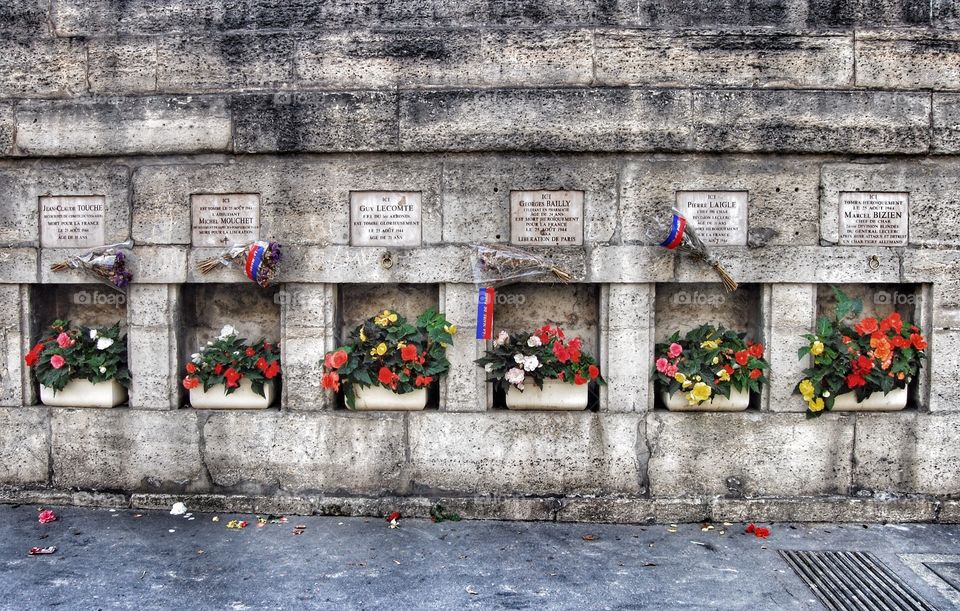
(679, 234)
(260, 261)
(107, 263)
(499, 264)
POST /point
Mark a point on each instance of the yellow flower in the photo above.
(701, 392)
(816, 348)
(385, 318)
(401, 345)
(363, 336)
(687, 384)
(716, 360)
(723, 375)
(807, 390)
(380, 350)
(710, 344)
(679, 377)
(815, 405)
(451, 329)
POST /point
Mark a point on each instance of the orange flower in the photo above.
(409, 352)
(331, 381)
(892, 322)
(755, 373)
(866, 326)
(191, 382)
(918, 342)
(881, 348)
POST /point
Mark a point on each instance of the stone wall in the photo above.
(147, 102)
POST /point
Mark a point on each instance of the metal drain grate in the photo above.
(854, 580)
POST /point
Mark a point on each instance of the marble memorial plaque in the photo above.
(222, 219)
(873, 218)
(719, 217)
(546, 218)
(385, 218)
(72, 221)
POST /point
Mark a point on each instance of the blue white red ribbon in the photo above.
(677, 226)
(255, 259)
(485, 313)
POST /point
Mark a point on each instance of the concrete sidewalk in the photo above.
(127, 559)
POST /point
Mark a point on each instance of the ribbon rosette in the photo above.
(681, 236)
(259, 261)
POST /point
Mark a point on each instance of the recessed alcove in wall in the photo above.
(90, 305)
(206, 308)
(684, 306)
(573, 307)
(358, 302)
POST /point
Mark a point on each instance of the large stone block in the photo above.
(811, 121)
(19, 265)
(122, 65)
(6, 129)
(316, 121)
(908, 60)
(330, 452)
(861, 13)
(225, 62)
(464, 389)
(782, 205)
(942, 367)
(934, 188)
(630, 263)
(25, 18)
(123, 449)
(24, 446)
(748, 453)
(160, 264)
(153, 313)
(908, 452)
(946, 123)
(626, 347)
(554, 119)
(42, 67)
(13, 301)
(639, 57)
(106, 17)
(945, 13)
(148, 125)
(792, 311)
(23, 183)
(941, 268)
(503, 453)
(308, 318)
(708, 14)
(476, 205)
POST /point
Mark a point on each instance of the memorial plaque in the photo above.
(225, 218)
(719, 217)
(873, 218)
(385, 218)
(72, 221)
(546, 218)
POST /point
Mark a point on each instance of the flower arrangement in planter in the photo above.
(541, 370)
(864, 367)
(229, 373)
(81, 366)
(388, 363)
(709, 369)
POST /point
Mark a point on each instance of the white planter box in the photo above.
(556, 395)
(739, 400)
(83, 393)
(877, 402)
(241, 398)
(378, 398)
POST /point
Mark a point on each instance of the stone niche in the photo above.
(253, 311)
(681, 307)
(358, 302)
(573, 307)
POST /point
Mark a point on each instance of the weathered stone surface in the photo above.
(122, 65)
(934, 188)
(23, 184)
(908, 452)
(24, 18)
(944, 13)
(106, 17)
(681, 307)
(150, 125)
(6, 129)
(330, 452)
(251, 310)
(940, 268)
(946, 123)
(573, 307)
(464, 388)
(626, 347)
(476, 206)
(160, 264)
(811, 121)
(621, 263)
(830, 509)
(42, 68)
(845, 13)
(768, 454)
(225, 62)
(153, 345)
(581, 453)
(633, 510)
(122, 449)
(316, 121)
(13, 301)
(639, 57)
(949, 512)
(554, 119)
(792, 313)
(18, 265)
(308, 319)
(942, 367)
(782, 191)
(24, 445)
(911, 60)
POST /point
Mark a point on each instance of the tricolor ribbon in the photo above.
(255, 259)
(676, 232)
(485, 313)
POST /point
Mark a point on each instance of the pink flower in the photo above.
(47, 516)
(57, 361)
(674, 350)
(671, 371)
(662, 365)
(64, 341)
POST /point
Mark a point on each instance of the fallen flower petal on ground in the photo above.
(46, 516)
(39, 551)
(178, 509)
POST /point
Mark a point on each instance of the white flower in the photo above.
(103, 369)
(530, 363)
(488, 367)
(826, 394)
(518, 358)
(227, 331)
(534, 341)
(103, 343)
(514, 376)
(93, 334)
(502, 339)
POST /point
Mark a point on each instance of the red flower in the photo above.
(593, 371)
(34, 355)
(755, 373)
(393, 516)
(854, 380)
(191, 368)
(561, 352)
(233, 377)
(750, 528)
(762, 533)
(387, 377)
(218, 369)
(579, 379)
(408, 352)
(250, 351)
(560, 376)
(847, 339)
(423, 381)
(574, 346)
(918, 342)
(892, 322)
(340, 358)
(57, 361)
(742, 357)
(756, 351)
(261, 363)
(191, 382)
(866, 326)
(46, 516)
(899, 341)
(862, 365)
(267, 346)
(272, 370)
(331, 381)
(728, 368)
